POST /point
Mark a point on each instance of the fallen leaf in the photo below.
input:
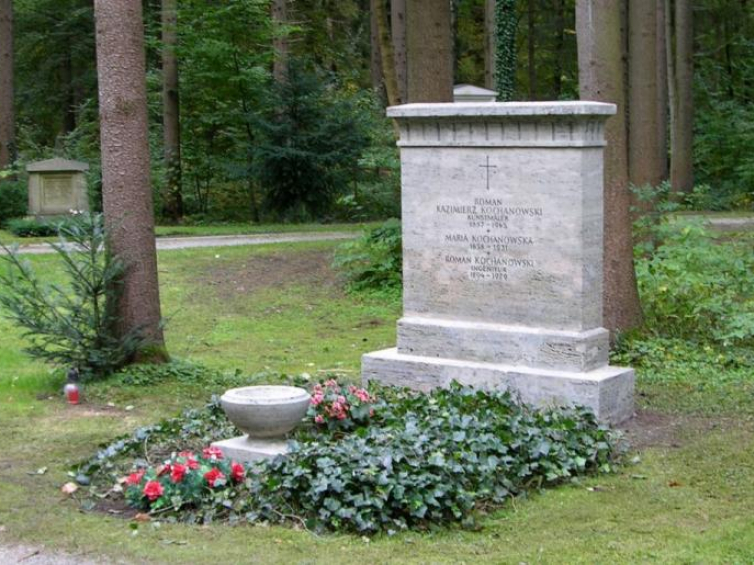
(674, 484)
(639, 477)
(142, 517)
(69, 488)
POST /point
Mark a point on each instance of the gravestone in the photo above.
(502, 254)
(471, 93)
(57, 187)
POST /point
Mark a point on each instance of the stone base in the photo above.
(246, 450)
(608, 391)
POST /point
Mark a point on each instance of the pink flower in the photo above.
(178, 472)
(153, 490)
(213, 475)
(331, 383)
(187, 454)
(237, 472)
(135, 478)
(212, 452)
(342, 399)
(363, 395)
(317, 399)
(319, 419)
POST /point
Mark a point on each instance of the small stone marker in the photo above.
(57, 186)
(471, 93)
(502, 254)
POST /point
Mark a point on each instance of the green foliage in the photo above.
(309, 146)
(70, 325)
(694, 287)
(375, 260)
(506, 22)
(35, 227)
(423, 460)
(13, 199)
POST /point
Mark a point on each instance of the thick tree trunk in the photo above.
(662, 91)
(172, 199)
(531, 49)
(682, 164)
(279, 10)
(489, 44)
(126, 191)
(601, 78)
(398, 30)
(7, 115)
(375, 59)
(671, 75)
(430, 51)
(644, 165)
(386, 52)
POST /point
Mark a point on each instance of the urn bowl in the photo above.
(265, 411)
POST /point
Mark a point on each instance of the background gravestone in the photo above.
(502, 254)
(57, 186)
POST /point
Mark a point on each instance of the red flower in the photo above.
(213, 475)
(135, 478)
(192, 463)
(178, 472)
(163, 470)
(153, 490)
(212, 452)
(187, 454)
(237, 472)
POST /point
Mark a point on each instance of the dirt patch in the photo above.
(655, 429)
(272, 271)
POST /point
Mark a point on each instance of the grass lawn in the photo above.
(230, 228)
(686, 498)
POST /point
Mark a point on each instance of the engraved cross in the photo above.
(488, 167)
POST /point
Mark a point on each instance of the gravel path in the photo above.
(166, 243)
(28, 555)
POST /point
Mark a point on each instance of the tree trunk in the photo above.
(682, 164)
(375, 59)
(489, 44)
(386, 51)
(430, 51)
(644, 165)
(662, 91)
(126, 191)
(398, 27)
(505, 50)
(671, 74)
(280, 42)
(172, 199)
(601, 78)
(557, 78)
(7, 116)
(531, 50)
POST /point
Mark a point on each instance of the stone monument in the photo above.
(470, 93)
(57, 186)
(502, 254)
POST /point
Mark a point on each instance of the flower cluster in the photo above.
(340, 407)
(184, 479)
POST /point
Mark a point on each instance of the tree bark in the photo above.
(430, 51)
(682, 164)
(398, 27)
(489, 44)
(644, 165)
(671, 75)
(601, 78)
(172, 199)
(7, 115)
(126, 191)
(662, 91)
(531, 49)
(386, 52)
(375, 58)
(557, 77)
(279, 10)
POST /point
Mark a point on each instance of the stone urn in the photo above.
(265, 414)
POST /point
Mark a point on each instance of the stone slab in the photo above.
(608, 391)
(498, 343)
(247, 450)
